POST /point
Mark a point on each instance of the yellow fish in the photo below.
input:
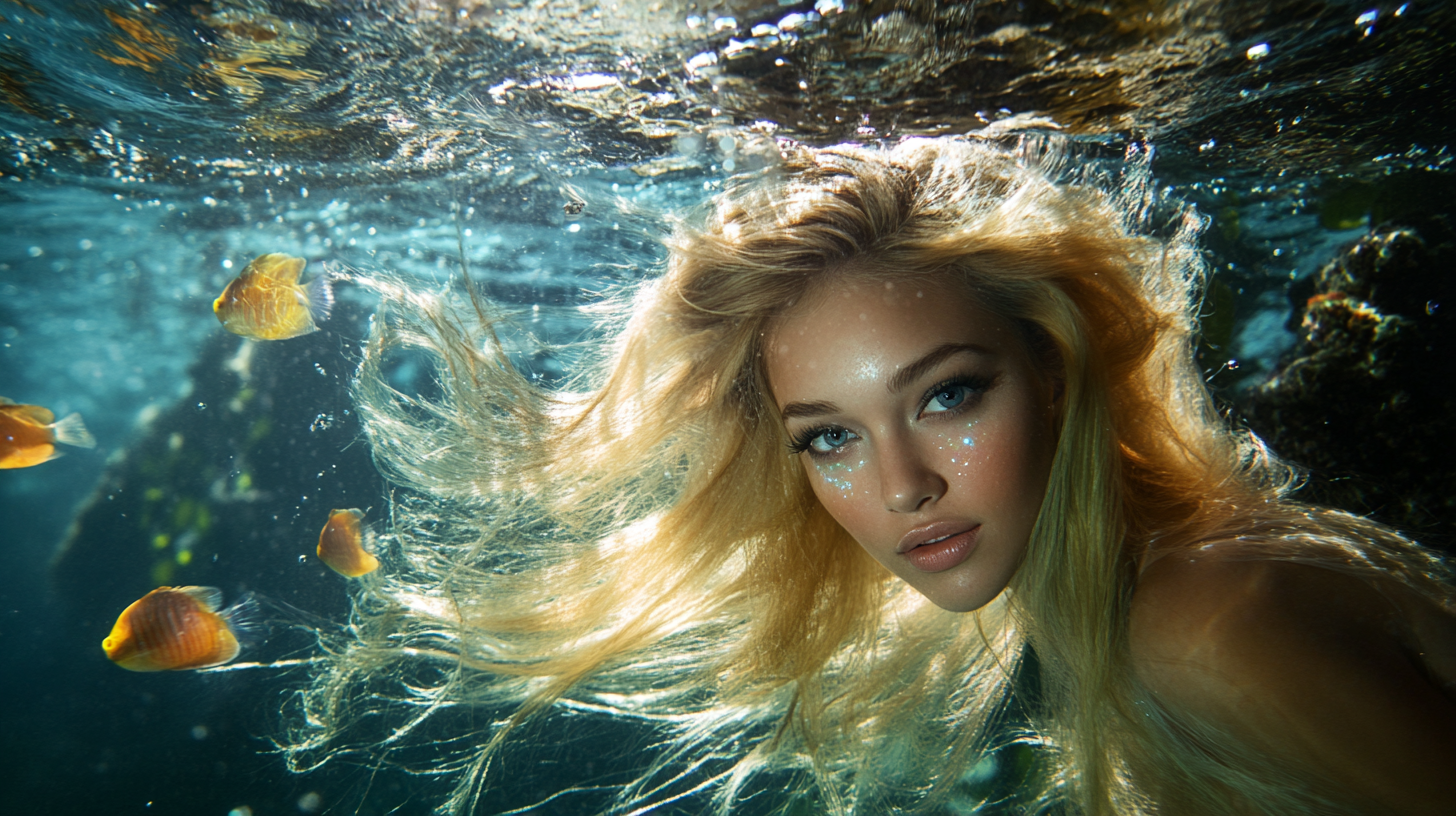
(341, 545)
(266, 301)
(175, 628)
(29, 434)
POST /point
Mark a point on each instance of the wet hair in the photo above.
(638, 546)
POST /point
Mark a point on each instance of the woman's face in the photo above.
(925, 427)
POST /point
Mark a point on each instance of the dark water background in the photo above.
(151, 149)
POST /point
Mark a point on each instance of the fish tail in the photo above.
(72, 431)
(245, 617)
(320, 294)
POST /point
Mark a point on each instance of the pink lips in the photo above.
(940, 546)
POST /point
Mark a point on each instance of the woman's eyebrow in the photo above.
(809, 409)
(914, 371)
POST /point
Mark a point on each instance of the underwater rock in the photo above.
(227, 488)
(1365, 400)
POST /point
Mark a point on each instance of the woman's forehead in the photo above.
(866, 293)
(869, 329)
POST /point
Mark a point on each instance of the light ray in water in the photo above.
(272, 664)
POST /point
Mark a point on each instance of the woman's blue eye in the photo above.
(830, 440)
(947, 398)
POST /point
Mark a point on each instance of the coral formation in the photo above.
(1365, 399)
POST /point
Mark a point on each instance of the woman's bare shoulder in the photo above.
(1204, 619)
(1305, 663)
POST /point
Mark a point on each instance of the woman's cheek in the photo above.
(958, 448)
(840, 479)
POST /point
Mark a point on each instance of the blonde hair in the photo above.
(639, 545)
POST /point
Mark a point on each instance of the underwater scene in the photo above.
(191, 192)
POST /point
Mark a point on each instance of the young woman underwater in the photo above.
(893, 426)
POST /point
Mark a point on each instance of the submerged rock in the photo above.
(229, 487)
(232, 484)
(1365, 401)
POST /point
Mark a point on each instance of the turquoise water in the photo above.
(150, 150)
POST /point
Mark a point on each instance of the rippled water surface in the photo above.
(150, 150)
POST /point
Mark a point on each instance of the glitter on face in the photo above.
(959, 438)
(836, 475)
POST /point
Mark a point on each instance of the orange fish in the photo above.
(176, 628)
(266, 302)
(29, 434)
(341, 545)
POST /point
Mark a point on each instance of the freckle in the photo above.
(784, 349)
(863, 316)
(920, 294)
(889, 284)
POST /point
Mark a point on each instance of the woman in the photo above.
(897, 433)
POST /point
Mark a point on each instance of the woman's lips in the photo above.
(940, 554)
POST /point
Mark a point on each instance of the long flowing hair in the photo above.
(638, 545)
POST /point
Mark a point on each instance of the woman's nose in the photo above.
(908, 482)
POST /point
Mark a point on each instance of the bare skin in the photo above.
(1353, 685)
(925, 427)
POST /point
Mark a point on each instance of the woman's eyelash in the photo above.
(976, 384)
(801, 441)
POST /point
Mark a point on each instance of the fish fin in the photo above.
(209, 597)
(318, 298)
(72, 431)
(246, 620)
(277, 266)
(41, 416)
(8, 401)
(56, 453)
(228, 655)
